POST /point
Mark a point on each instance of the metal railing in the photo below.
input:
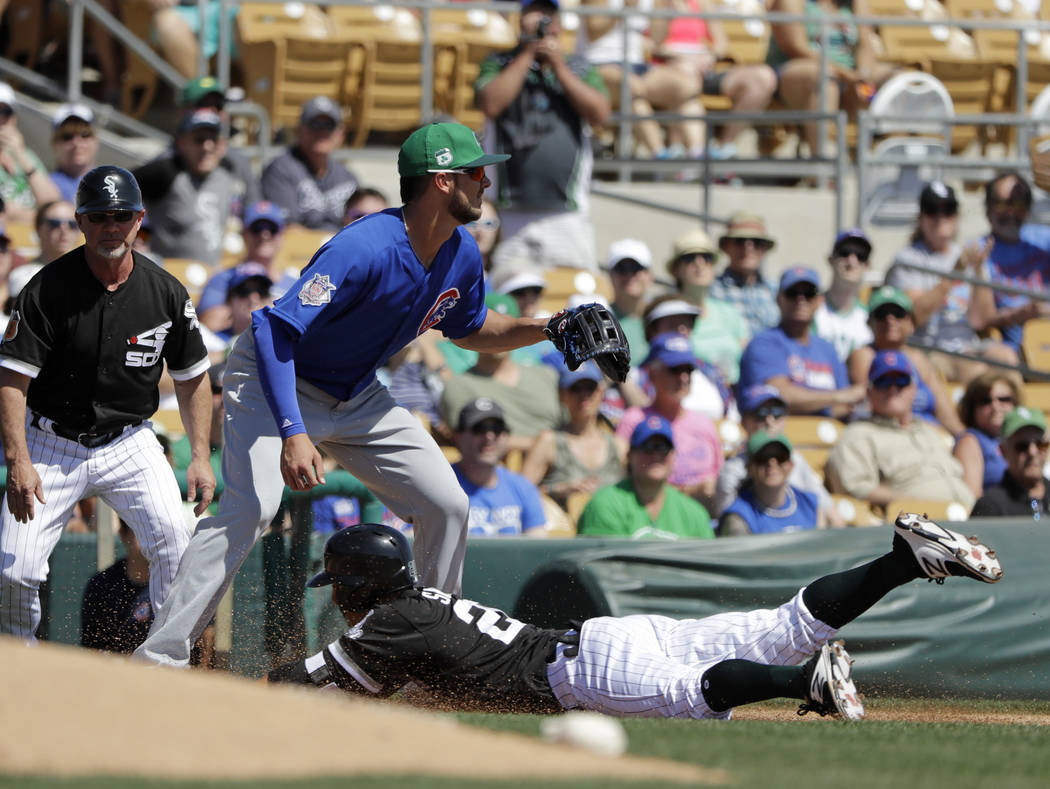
(622, 164)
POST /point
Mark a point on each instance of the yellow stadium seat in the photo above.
(855, 512)
(1035, 343)
(193, 274)
(1037, 395)
(170, 421)
(936, 510)
(812, 431)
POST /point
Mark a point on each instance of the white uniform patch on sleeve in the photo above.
(314, 662)
(350, 667)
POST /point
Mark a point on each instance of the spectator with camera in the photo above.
(541, 105)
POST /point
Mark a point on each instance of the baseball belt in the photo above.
(85, 439)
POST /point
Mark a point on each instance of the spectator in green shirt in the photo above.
(643, 505)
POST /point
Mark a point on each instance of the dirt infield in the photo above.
(115, 717)
(891, 710)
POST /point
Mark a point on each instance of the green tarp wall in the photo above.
(962, 639)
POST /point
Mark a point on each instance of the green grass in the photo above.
(808, 754)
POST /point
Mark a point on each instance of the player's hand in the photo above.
(23, 486)
(301, 465)
(199, 477)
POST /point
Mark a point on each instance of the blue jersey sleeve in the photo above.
(532, 514)
(274, 353)
(763, 359)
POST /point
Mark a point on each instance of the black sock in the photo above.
(840, 598)
(734, 682)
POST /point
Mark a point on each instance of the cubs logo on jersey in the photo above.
(317, 291)
(443, 303)
(152, 339)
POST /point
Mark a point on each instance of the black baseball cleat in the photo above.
(829, 684)
(941, 552)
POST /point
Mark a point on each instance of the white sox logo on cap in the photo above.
(110, 185)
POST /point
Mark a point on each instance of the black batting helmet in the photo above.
(108, 188)
(366, 562)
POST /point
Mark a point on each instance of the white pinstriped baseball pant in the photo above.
(650, 666)
(130, 474)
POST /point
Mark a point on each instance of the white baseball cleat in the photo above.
(941, 552)
(829, 684)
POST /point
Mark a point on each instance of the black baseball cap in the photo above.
(936, 197)
(477, 411)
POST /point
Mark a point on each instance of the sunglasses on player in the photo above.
(98, 217)
(475, 173)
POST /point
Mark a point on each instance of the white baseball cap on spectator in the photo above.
(629, 249)
(517, 276)
(7, 95)
(67, 111)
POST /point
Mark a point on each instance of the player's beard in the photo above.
(116, 253)
(461, 209)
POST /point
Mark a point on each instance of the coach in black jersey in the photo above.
(469, 656)
(80, 364)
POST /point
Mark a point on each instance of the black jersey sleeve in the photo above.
(184, 351)
(30, 334)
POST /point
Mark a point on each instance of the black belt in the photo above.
(89, 440)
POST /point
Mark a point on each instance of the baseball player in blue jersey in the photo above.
(305, 376)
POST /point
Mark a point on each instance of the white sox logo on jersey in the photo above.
(442, 305)
(190, 314)
(317, 291)
(110, 185)
(152, 338)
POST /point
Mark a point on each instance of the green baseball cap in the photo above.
(443, 146)
(1022, 417)
(762, 439)
(502, 303)
(196, 89)
(888, 294)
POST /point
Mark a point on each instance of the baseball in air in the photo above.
(589, 730)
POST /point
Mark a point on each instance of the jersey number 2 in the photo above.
(490, 621)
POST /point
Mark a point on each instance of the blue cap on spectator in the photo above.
(245, 272)
(588, 371)
(854, 234)
(264, 209)
(203, 118)
(797, 274)
(654, 425)
(671, 349)
(758, 395)
(526, 3)
(886, 362)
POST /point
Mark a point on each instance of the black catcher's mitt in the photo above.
(591, 331)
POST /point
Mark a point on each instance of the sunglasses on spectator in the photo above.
(627, 268)
(322, 124)
(781, 456)
(263, 225)
(586, 388)
(484, 224)
(857, 250)
(693, 257)
(55, 224)
(940, 210)
(531, 292)
(757, 243)
(212, 101)
(5, 245)
(887, 382)
(1001, 399)
(793, 294)
(1013, 205)
(98, 217)
(480, 429)
(475, 173)
(657, 446)
(766, 411)
(1023, 444)
(894, 311)
(6, 112)
(69, 136)
(681, 369)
